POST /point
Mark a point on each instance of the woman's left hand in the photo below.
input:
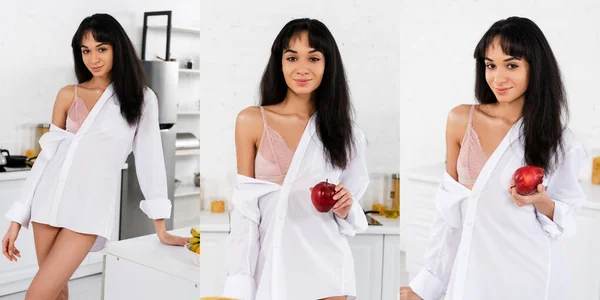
(538, 197)
(172, 240)
(343, 202)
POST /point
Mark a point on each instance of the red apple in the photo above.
(527, 179)
(322, 196)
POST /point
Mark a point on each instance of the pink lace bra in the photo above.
(273, 157)
(471, 158)
(77, 114)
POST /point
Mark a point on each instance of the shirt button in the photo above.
(469, 224)
(465, 253)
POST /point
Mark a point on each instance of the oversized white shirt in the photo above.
(483, 246)
(280, 246)
(75, 180)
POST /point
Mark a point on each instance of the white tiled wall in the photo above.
(437, 66)
(236, 39)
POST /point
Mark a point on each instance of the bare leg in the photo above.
(335, 298)
(65, 256)
(44, 237)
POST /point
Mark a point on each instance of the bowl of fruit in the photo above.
(193, 246)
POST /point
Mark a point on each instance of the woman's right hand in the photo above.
(8, 242)
(406, 293)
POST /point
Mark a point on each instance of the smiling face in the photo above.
(302, 65)
(97, 56)
(506, 75)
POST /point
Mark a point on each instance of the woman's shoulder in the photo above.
(459, 115)
(66, 91)
(65, 95)
(249, 117)
(458, 119)
(149, 93)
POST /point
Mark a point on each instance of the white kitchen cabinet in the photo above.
(144, 268)
(12, 273)
(416, 217)
(583, 260)
(393, 277)
(212, 263)
(367, 251)
(418, 211)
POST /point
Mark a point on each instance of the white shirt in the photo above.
(280, 246)
(483, 246)
(75, 180)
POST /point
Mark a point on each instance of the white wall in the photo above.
(437, 68)
(236, 39)
(35, 46)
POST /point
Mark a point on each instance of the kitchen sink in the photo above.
(372, 221)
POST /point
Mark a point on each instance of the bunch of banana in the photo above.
(195, 240)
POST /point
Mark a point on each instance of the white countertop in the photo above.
(388, 226)
(15, 175)
(214, 222)
(219, 222)
(150, 252)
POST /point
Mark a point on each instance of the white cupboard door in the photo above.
(26, 266)
(212, 263)
(367, 251)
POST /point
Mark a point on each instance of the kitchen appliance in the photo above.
(162, 77)
(15, 161)
(186, 141)
(2, 160)
(197, 179)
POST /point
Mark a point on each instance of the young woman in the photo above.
(280, 246)
(490, 242)
(70, 195)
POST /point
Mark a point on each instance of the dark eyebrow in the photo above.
(100, 44)
(296, 52)
(508, 59)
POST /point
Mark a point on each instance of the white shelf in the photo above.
(177, 29)
(187, 152)
(189, 71)
(188, 112)
(186, 190)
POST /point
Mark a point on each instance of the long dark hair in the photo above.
(127, 72)
(545, 110)
(334, 117)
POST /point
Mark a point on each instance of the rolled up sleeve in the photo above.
(150, 162)
(566, 192)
